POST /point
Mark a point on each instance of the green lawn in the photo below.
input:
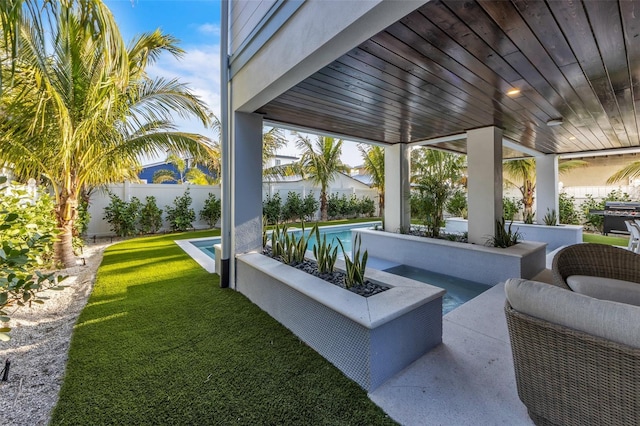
(160, 343)
(605, 239)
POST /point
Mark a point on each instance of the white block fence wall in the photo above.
(166, 193)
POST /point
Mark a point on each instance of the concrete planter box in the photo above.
(368, 339)
(554, 236)
(487, 265)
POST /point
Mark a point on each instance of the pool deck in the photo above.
(468, 379)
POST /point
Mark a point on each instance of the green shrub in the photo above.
(27, 230)
(510, 207)
(181, 215)
(272, 209)
(334, 206)
(457, 204)
(211, 210)
(310, 206)
(504, 237)
(568, 213)
(123, 216)
(352, 206)
(367, 207)
(529, 218)
(150, 216)
(551, 218)
(596, 222)
(293, 207)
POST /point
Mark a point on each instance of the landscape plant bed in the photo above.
(368, 288)
(475, 262)
(368, 338)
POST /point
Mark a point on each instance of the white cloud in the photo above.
(199, 67)
(209, 29)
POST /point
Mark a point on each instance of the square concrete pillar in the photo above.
(246, 183)
(397, 188)
(484, 162)
(546, 186)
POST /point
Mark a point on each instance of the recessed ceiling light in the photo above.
(572, 138)
(554, 122)
(513, 92)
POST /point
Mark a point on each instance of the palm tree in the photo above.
(630, 171)
(524, 171)
(81, 109)
(321, 162)
(437, 175)
(272, 140)
(373, 157)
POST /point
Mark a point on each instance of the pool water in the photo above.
(458, 292)
(332, 238)
(206, 246)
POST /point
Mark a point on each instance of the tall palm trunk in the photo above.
(527, 197)
(381, 204)
(66, 213)
(323, 205)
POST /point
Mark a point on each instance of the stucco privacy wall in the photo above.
(165, 194)
(318, 33)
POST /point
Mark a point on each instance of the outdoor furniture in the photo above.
(595, 260)
(576, 358)
(634, 236)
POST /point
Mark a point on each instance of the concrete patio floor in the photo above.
(468, 379)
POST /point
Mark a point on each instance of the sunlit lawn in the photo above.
(160, 343)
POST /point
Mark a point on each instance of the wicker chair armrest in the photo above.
(568, 377)
(597, 260)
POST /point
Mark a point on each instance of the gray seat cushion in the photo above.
(606, 288)
(618, 322)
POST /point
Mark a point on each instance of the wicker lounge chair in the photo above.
(569, 377)
(597, 260)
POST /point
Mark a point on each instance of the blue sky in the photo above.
(196, 23)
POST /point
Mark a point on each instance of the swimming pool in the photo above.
(459, 290)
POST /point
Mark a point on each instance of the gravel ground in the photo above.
(39, 346)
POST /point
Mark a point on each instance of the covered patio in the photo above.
(489, 79)
(493, 80)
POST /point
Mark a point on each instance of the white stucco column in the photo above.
(397, 189)
(484, 162)
(246, 183)
(546, 186)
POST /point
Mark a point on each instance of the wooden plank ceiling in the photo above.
(447, 68)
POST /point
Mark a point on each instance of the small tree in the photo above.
(293, 207)
(211, 210)
(334, 207)
(272, 209)
(123, 216)
(181, 215)
(457, 204)
(150, 216)
(367, 207)
(510, 206)
(568, 212)
(310, 206)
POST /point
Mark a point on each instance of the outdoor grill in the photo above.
(615, 213)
